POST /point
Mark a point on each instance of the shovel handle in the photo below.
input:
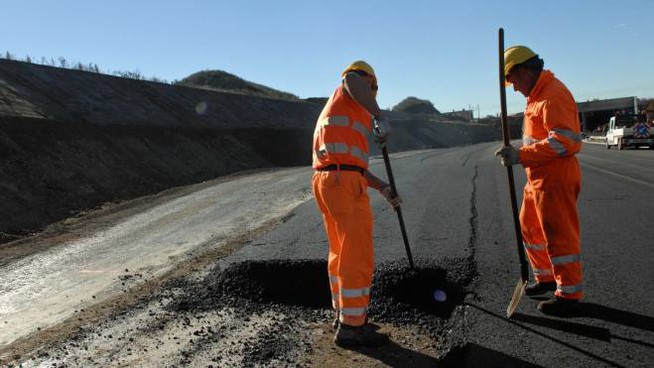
(398, 210)
(524, 273)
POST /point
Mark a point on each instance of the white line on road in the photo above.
(618, 175)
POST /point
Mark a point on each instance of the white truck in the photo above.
(629, 131)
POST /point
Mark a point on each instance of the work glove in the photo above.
(509, 155)
(391, 197)
(381, 130)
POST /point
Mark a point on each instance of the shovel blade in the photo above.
(515, 299)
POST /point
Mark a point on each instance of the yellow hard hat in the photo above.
(516, 55)
(362, 66)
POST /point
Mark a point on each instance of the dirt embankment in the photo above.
(420, 131)
(72, 140)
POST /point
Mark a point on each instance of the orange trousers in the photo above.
(342, 197)
(550, 231)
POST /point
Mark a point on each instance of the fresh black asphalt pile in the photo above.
(423, 298)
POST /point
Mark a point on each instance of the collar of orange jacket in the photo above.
(545, 77)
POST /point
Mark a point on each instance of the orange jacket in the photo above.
(342, 132)
(551, 135)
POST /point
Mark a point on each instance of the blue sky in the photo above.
(443, 51)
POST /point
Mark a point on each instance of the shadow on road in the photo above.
(467, 356)
(563, 325)
(593, 332)
(473, 355)
(592, 310)
(595, 311)
(394, 355)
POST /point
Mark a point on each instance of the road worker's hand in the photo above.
(390, 196)
(381, 130)
(509, 155)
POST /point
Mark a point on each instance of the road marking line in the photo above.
(618, 175)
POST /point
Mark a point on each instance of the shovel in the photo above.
(524, 275)
(398, 210)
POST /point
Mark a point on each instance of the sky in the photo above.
(442, 51)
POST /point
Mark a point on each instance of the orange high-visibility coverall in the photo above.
(341, 138)
(549, 217)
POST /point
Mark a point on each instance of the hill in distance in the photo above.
(225, 82)
(415, 105)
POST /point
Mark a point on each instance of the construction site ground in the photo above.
(147, 224)
(144, 310)
(249, 287)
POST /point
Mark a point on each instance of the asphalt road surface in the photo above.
(456, 208)
(456, 203)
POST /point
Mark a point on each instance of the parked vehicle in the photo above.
(629, 131)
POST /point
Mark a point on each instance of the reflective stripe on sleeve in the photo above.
(568, 134)
(355, 293)
(337, 120)
(527, 140)
(355, 151)
(344, 121)
(331, 148)
(358, 153)
(566, 259)
(357, 126)
(557, 146)
(333, 279)
(570, 289)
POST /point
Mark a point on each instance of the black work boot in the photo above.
(540, 288)
(559, 306)
(359, 336)
(337, 322)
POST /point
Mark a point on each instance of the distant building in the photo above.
(594, 114)
(463, 115)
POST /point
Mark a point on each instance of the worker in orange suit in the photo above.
(549, 217)
(339, 183)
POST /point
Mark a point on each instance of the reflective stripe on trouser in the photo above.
(550, 230)
(342, 197)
